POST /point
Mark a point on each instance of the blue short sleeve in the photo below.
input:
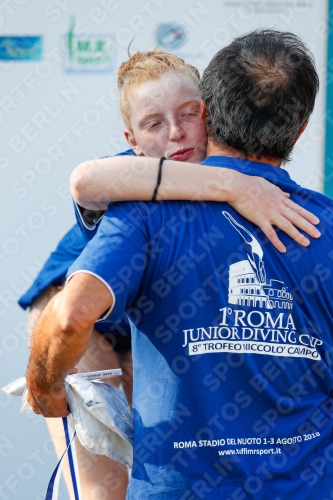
(117, 255)
(87, 220)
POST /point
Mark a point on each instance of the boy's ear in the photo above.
(132, 142)
(203, 111)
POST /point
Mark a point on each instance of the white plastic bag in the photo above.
(103, 421)
(101, 415)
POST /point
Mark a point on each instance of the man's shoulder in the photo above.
(312, 200)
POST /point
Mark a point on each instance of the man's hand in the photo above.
(50, 403)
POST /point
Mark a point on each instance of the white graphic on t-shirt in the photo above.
(265, 326)
(248, 284)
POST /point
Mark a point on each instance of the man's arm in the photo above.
(37, 307)
(60, 340)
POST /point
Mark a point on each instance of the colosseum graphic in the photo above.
(248, 283)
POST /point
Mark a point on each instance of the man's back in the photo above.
(231, 345)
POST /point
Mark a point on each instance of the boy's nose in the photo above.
(176, 132)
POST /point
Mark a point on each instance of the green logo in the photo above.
(88, 53)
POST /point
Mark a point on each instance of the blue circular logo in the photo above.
(170, 36)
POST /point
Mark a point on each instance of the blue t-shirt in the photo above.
(232, 346)
(55, 268)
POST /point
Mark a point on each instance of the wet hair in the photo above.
(145, 66)
(259, 91)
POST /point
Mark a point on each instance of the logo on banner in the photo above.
(170, 36)
(88, 53)
(20, 48)
(265, 325)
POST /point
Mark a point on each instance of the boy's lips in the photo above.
(182, 154)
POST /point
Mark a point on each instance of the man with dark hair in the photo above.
(232, 342)
(259, 92)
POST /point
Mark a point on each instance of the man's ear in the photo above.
(300, 132)
(132, 142)
(203, 111)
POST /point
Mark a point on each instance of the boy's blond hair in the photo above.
(145, 66)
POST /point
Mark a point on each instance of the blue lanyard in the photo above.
(53, 487)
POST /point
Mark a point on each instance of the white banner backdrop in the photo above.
(62, 108)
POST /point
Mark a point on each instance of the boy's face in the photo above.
(165, 119)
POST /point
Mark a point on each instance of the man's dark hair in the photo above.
(259, 91)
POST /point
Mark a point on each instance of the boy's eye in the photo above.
(190, 112)
(152, 124)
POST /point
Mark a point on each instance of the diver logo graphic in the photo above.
(265, 326)
(248, 284)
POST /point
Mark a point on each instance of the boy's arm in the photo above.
(96, 183)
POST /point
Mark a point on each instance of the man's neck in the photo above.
(213, 150)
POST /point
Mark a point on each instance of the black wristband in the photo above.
(159, 177)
